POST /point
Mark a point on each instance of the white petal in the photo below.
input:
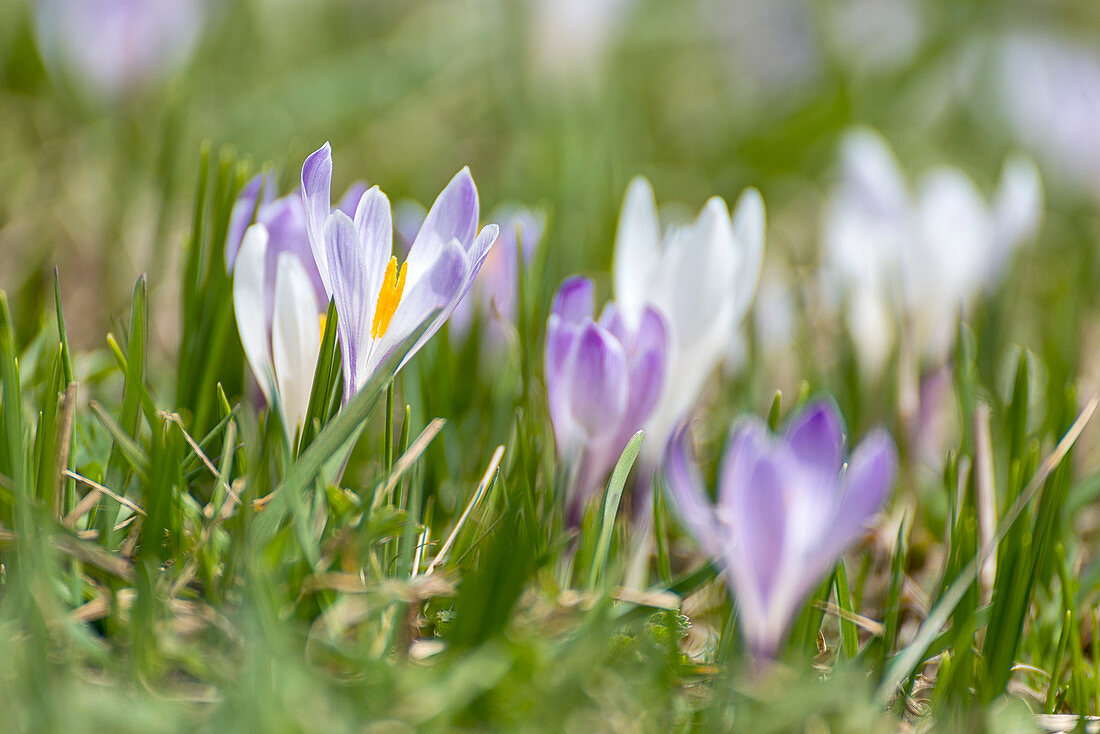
(953, 257)
(295, 339)
(748, 237)
(248, 305)
(637, 248)
(1019, 204)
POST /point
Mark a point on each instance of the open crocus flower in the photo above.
(603, 380)
(701, 277)
(917, 260)
(788, 507)
(113, 48)
(381, 305)
(494, 292)
(278, 318)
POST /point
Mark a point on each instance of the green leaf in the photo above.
(611, 506)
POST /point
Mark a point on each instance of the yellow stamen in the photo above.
(322, 319)
(388, 297)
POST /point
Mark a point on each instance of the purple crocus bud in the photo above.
(380, 304)
(115, 48)
(603, 380)
(788, 506)
(494, 291)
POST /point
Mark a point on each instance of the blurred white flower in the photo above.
(917, 258)
(114, 48)
(874, 36)
(1048, 90)
(701, 277)
(751, 32)
(570, 39)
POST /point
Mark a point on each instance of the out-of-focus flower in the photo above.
(748, 33)
(570, 39)
(874, 36)
(788, 506)
(408, 215)
(603, 379)
(494, 290)
(918, 259)
(701, 277)
(278, 318)
(379, 304)
(114, 48)
(1048, 90)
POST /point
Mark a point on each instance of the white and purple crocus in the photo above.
(301, 252)
(787, 507)
(603, 380)
(380, 304)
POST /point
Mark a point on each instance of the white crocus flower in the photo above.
(701, 276)
(917, 258)
(282, 349)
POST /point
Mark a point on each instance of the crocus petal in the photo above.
(374, 224)
(748, 234)
(1018, 207)
(637, 247)
(575, 300)
(295, 340)
(748, 442)
(453, 216)
(317, 200)
(760, 531)
(248, 300)
(240, 217)
(816, 437)
(351, 275)
(867, 483)
(598, 391)
(647, 365)
(688, 495)
(561, 340)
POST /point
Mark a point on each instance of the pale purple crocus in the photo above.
(116, 48)
(788, 507)
(380, 305)
(603, 380)
(494, 294)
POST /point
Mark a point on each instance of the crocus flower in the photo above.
(1047, 87)
(918, 259)
(380, 305)
(787, 507)
(494, 290)
(701, 277)
(114, 48)
(278, 320)
(603, 380)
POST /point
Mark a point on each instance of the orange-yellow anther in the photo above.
(388, 297)
(322, 319)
